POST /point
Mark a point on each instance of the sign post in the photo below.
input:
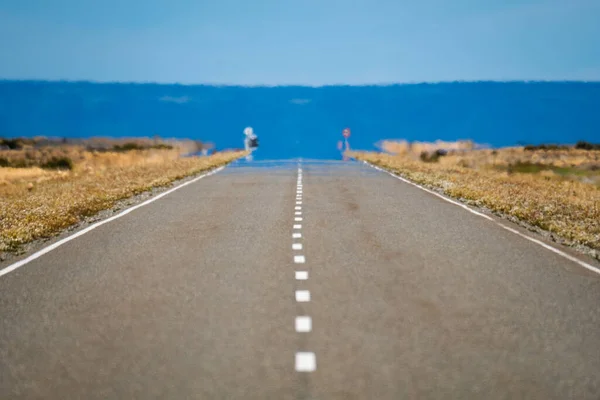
(346, 134)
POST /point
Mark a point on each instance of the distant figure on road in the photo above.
(250, 142)
(343, 147)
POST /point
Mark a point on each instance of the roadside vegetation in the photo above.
(555, 188)
(44, 189)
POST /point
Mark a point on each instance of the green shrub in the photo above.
(587, 146)
(58, 163)
(127, 147)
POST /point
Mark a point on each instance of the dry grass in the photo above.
(37, 203)
(563, 201)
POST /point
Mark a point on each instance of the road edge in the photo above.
(39, 247)
(544, 234)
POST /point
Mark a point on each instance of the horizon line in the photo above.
(233, 85)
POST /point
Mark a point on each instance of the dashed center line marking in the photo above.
(301, 275)
(306, 362)
(303, 324)
(302, 296)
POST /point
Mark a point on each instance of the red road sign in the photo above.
(346, 132)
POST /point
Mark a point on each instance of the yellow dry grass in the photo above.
(36, 203)
(405, 147)
(567, 207)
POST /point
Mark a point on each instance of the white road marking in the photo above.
(302, 296)
(546, 246)
(298, 226)
(552, 249)
(306, 362)
(301, 275)
(303, 324)
(82, 232)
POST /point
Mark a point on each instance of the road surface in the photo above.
(398, 293)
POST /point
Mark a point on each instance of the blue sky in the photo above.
(308, 42)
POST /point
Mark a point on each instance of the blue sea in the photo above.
(294, 121)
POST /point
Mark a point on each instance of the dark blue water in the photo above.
(306, 122)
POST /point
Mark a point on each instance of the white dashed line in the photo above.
(303, 324)
(302, 296)
(306, 362)
(301, 275)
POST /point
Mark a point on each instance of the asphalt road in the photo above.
(194, 296)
